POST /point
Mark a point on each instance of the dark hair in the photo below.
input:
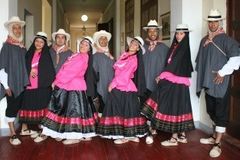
(181, 64)
(90, 76)
(46, 69)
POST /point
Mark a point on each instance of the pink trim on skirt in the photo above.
(126, 122)
(71, 120)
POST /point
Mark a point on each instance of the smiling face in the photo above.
(133, 47)
(39, 43)
(60, 39)
(17, 30)
(213, 25)
(180, 36)
(84, 46)
(103, 41)
(152, 34)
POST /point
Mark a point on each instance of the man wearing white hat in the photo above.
(12, 62)
(154, 59)
(103, 66)
(217, 58)
(59, 50)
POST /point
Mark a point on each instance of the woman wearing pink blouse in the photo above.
(38, 92)
(121, 119)
(71, 116)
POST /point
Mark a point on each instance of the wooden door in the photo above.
(233, 30)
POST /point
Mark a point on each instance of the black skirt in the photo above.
(169, 108)
(34, 104)
(70, 115)
(121, 116)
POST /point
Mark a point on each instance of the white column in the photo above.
(54, 15)
(137, 19)
(117, 27)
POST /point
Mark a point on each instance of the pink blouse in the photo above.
(124, 72)
(71, 74)
(35, 61)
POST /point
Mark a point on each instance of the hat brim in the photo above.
(98, 35)
(129, 40)
(65, 34)
(213, 19)
(6, 24)
(181, 31)
(146, 28)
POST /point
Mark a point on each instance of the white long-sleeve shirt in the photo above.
(232, 64)
(4, 78)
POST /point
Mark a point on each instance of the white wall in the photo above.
(13, 8)
(35, 8)
(182, 11)
(4, 12)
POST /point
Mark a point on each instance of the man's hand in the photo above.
(157, 79)
(33, 73)
(218, 79)
(9, 92)
(109, 88)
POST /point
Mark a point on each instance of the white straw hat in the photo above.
(14, 19)
(152, 24)
(214, 15)
(42, 35)
(62, 32)
(182, 28)
(101, 33)
(139, 40)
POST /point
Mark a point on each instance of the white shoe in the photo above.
(215, 151)
(70, 141)
(58, 139)
(14, 140)
(182, 139)
(171, 142)
(134, 139)
(149, 140)
(40, 138)
(120, 141)
(34, 135)
(209, 140)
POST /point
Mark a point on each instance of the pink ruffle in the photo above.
(175, 79)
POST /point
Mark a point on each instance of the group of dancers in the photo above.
(73, 97)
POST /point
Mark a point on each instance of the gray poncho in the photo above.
(103, 67)
(210, 60)
(154, 62)
(12, 59)
(62, 58)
